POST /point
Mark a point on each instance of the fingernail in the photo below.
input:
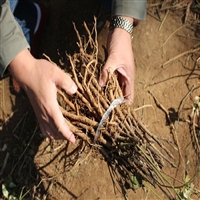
(72, 138)
(101, 83)
(73, 88)
(130, 99)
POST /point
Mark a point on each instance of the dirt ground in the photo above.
(165, 70)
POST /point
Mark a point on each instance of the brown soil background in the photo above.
(58, 170)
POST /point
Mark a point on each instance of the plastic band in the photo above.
(106, 115)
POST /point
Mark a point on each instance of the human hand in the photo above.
(121, 60)
(39, 79)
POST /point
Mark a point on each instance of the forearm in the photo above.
(21, 67)
(12, 40)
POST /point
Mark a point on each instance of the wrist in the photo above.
(118, 39)
(21, 66)
(122, 22)
(134, 21)
(130, 19)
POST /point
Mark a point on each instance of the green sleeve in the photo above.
(130, 8)
(12, 40)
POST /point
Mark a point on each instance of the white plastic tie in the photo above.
(106, 115)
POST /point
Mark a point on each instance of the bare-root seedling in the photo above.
(129, 147)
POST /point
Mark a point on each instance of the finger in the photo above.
(60, 123)
(106, 72)
(129, 92)
(62, 127)
(51, 120)
(67, 133)
(16, 86)
(103, 78)
(51, 132)
(65, 82)
(128, 82)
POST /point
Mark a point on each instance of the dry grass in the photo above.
(190, 9)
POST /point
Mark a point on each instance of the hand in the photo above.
(39, 79)
(120, 59)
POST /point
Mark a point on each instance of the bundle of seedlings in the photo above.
(102, 117)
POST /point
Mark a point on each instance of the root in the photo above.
(126, 141)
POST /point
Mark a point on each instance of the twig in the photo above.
(182, 101)
(187, 11)
(178, 56)
(81, 160)
(189, 37)
(171, 124)
(163, 20)
(171, 36)
(141, 107)
(78, 118)
(49, 59)
(67, 101)
(194, 133)
(4, 163)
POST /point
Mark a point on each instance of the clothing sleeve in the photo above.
(130, 8)
(12, 40)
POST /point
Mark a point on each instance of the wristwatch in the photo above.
(120, 22)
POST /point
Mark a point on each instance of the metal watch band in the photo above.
(120, 22)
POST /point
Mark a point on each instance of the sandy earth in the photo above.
(46, 167)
